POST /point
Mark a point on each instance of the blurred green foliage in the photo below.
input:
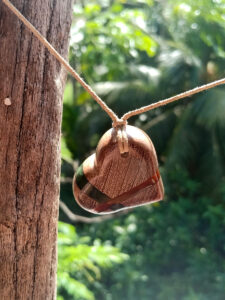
(79, 262)
(134, 53)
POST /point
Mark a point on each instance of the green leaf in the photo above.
(68, 93)
(74, 288)
(65, 152)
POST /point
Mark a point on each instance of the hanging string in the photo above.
(117, 122)
(173, 98)
(104, 106)
(52, 50)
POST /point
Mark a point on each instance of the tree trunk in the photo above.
(30, 147)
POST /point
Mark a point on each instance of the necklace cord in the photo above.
(67, 66)
(173, 98)
(116, 121)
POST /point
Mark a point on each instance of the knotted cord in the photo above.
(117, 122)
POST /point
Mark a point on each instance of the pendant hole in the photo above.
(124, 155)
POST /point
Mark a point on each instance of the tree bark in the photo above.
(30, 147)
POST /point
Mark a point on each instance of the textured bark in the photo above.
(30, 147)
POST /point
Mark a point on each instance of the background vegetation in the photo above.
(134, 53)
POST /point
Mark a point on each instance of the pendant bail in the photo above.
(122, 139)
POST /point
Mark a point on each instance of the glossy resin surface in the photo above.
(108, 181)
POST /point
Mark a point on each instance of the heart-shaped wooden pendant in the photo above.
(108, 181)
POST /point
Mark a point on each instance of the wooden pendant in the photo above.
(108, 181)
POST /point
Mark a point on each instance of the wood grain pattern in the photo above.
(108, 181)
(30, 147)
